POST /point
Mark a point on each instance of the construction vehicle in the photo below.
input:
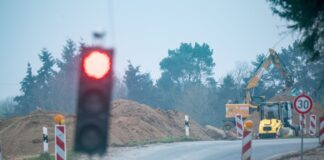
(276, 120)
(280, 113)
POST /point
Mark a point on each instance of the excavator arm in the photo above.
(276, 61)
(254, 81)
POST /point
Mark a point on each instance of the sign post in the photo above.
(303, 104)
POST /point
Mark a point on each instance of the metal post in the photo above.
(302, 139)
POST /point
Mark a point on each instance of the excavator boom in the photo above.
(273, 58)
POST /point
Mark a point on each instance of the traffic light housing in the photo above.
(94, 97)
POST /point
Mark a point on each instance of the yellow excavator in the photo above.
(274, 116)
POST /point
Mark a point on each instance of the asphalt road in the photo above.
(209, 150)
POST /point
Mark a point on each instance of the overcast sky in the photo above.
(143, 31)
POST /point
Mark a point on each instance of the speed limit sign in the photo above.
(303, 104)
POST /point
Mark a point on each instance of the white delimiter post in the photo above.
(187, 125)
(45, 139)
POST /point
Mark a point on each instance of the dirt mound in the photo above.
(130, 121)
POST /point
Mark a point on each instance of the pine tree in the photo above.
(68, 55)
(139, 85)
(26, 101)
(43, 79)
(64, 86)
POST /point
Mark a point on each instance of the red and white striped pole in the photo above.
(0, 153)
(247, 141)
(239, 125)
(302, 123)
(312, 124)
(60, 143)
(321, 131)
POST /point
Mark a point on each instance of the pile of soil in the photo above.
(130, 121)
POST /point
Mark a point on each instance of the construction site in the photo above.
(162, 80)
(132, 124)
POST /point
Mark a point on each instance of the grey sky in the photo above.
(143, 31)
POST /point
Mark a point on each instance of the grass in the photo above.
(43, 156)
(48, 156)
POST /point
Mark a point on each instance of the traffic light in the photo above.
(94, 96)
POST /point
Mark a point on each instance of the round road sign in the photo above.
(303, 104)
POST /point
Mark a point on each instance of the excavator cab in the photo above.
(276, 119)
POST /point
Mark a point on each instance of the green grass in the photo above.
(43, 156)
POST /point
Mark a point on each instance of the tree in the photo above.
(307, 76)
(195, 102)
(120, 89)
(139, 85)
(26, 102)
(44, 77)
(64, 84)
(307, 17)
(219, 96)
(7, 108)
(68, 57)
(188, 64)
(229, 90)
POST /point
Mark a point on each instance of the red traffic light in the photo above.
(97, 64)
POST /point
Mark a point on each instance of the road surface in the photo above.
(209, 150)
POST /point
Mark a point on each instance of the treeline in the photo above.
(187, 82)
(53, 86)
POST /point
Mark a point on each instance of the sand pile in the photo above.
(130, 122)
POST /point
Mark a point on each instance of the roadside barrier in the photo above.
(312, 124)
(321, 131)
(60, 143)
(247, 141)
(239, 125)
(0, 153)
